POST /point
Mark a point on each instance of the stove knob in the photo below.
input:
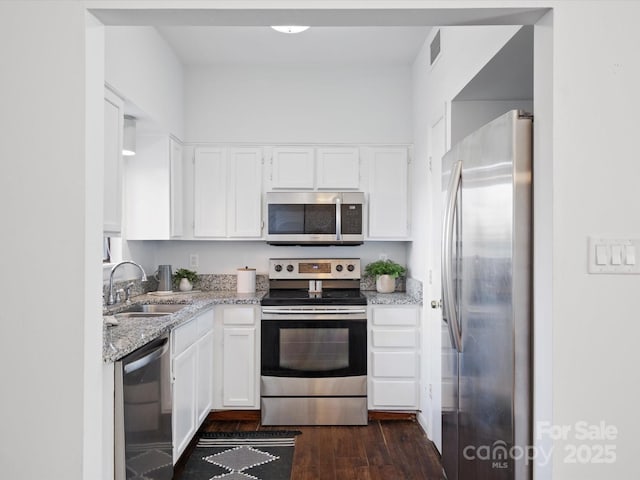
(351, 268)
(289, 268)
(339, 268)
(278, 268)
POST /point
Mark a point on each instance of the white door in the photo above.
(210, 193)
(184, 405)
(432, 338)
(245, 192)
(113, 125)
(388, 193)
(205, 377)
(239, 367)
(338, 168)
(292, 167)
(177, 202)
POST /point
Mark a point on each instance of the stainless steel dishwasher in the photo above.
(143, 443)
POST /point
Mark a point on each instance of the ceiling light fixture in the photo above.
(129, 136)
(289, 28)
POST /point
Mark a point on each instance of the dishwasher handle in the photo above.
(153, 352)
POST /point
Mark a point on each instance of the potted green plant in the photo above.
(386, 272)
(185, 279)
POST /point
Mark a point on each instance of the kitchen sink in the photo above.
(149, 310)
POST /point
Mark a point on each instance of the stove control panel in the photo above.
(314, 268)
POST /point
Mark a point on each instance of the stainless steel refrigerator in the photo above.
(486, 283)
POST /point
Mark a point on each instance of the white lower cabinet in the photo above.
(108, 421)
(237, 357)
(394, 374)
(192, 370)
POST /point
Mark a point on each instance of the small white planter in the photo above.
(185, 285)
(385, 284)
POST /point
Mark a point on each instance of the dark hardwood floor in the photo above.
(382, 450)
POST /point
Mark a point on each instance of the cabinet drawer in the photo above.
(394, 338)
(394, 316)
(239, 316)
(184, 336)
(205, 323)
(396, 394)
(394, 364)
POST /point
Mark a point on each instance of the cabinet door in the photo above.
(148, 189)
(205, 377)
(184, 406)
(388, 193)
(210, 192)
(177, 202)
(292, 167)
(113, 127)
(393, 394)
(338, 168)
(245, 192)
(239, 367)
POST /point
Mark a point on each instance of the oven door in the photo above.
(314, 366)
(314, 342)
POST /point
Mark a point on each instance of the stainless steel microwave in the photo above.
(315, 218)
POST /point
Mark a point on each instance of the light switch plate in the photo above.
(613, 255)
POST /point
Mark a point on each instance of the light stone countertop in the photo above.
(395, 298)
(133, 333)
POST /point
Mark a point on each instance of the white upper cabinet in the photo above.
(210, 192)
(388, 192)
(245, 192)
(228, 192)
(338, 168)
(311, 168)
(292, 167)
(177, 190)
(113, 128)
(153, 189)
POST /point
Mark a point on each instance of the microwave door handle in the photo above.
(338, 219)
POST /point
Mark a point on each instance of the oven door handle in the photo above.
(302, 311)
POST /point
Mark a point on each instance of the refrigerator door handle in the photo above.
(448, 295)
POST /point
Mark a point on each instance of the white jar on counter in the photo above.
(246, 280)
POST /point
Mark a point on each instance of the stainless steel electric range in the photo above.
(314, 343)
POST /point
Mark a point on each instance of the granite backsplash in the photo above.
(227, 282)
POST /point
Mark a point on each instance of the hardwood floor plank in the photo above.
(382, 450)
(353, 473)
(385, 472)
(412, 451)
(375, 446)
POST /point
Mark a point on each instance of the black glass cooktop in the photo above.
(303, 297)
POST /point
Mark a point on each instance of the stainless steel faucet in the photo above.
(111, 300)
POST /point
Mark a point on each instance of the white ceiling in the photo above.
(318, 45)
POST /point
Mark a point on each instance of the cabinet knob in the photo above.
(436, 303)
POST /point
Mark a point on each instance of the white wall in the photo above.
(465, 50)
(286, 104)
(596, 170)
(49, 187)
(302, 103)
(141, 67)
(227, 256)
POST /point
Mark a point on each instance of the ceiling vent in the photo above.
(435, 48)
